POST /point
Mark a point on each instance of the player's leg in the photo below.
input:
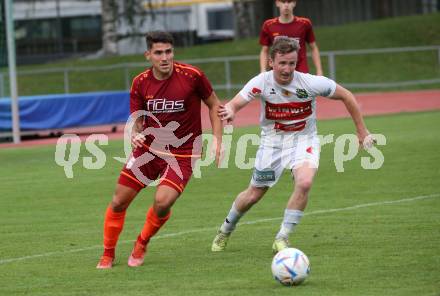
(267, 171)
(304, 167)
(126, 190)
(295, 206)
(243, 202)
(156, 217)
(169, 189)
(114, 222)
(304, 176)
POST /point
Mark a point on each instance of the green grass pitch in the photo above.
(358, 244)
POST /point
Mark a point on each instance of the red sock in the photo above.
(113, 224)
(152, 225)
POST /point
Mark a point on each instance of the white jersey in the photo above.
(287, 110)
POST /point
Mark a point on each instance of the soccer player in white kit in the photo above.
(288, 135)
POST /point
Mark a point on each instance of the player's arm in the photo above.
(264, 58)
(227, 112)
(316, 58)
(136, 104)
(137, 138)
(213, 104)
(353, 108)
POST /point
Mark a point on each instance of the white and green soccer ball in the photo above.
(290, 267)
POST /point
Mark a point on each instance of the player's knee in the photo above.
(304, 183)
(118, 204)
(162, 209)
(162, 205)
(122, 198)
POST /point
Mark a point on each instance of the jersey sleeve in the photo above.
(310, 35)
(322, 86)
(253, 89)
(265, 35)
(204, 87)
(136, 101)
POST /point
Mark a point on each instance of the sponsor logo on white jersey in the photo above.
(288, 111)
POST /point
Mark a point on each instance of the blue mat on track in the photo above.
(66, 111)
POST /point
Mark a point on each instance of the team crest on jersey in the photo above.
(285, 92)
(302, 93)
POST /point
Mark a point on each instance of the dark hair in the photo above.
(283, 45)
(158, 37)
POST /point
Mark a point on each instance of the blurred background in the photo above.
(51, 29)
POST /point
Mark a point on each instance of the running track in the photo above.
(371, 104)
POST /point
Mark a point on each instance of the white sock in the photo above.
(291, 219)
(231, 220)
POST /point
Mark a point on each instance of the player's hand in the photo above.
(137, 140)
(366, 140)
(226, 113)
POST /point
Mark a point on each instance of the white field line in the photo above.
(318, 212)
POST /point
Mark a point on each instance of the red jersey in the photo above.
(300, 28)
(177, 98)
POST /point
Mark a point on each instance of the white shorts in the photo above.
(271, 161)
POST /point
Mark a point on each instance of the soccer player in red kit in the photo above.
(165, 141)
(292, 26)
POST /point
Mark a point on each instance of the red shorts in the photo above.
(144, 167)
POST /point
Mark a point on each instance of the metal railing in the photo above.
(228, 84)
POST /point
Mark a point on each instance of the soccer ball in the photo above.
(290, 267)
